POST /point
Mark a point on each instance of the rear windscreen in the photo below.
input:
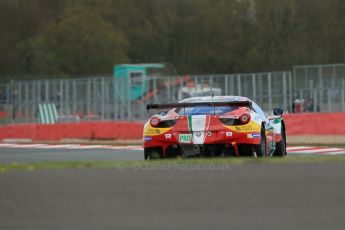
(205, 110)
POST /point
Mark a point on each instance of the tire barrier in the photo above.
(88, 130)
(315, 124)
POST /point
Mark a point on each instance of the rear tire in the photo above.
(281, 145)
(261, 148)
(152, 153)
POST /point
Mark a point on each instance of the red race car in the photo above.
(213, 126)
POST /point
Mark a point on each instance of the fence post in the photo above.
(270, 92)
(46, 91)
(114, 99)
(284, 92)
(102, 98)
(74, 105)
(311, 87)
(33, 100)
(154, 88)
(26, 103)
(321, 88)
(145, 88)
(232, 85)
(329, 95)
(88, 98)
(129, 100)
(68, 98)
(60, 97)
(19, 98)
(107, 101)
(181, 86)
(315, 100)
(294, 79)
(239, 85)
(8, 103)
(226, 85)
(254, 86)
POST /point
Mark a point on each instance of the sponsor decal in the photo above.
(245, 128)
(228, 134)
(146, 139)
(230, 116)
(168, 136)
(152, 131)
(254, 135)
(185, 138)
(198, 134)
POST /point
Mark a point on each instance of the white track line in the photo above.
(297, 148)
(59, 147)
(313, 150)
(337, 153)
(23, 146)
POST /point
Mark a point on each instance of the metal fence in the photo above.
(324, 85)
(307, 88)
(107, 99)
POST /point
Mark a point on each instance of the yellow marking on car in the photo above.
(250, 127)
(151, 131)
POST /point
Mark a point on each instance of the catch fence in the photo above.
(324, 85)
(305, 89)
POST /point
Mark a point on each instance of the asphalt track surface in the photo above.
(8, 155)
(43, 153)
(248, 196)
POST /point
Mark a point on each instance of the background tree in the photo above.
(80, 43)
(88, 37)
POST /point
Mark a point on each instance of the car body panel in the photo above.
(208, 129)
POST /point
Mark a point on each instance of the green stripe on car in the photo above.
(190, 126)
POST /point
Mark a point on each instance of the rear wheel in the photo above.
(261, 148)
(152, 153)
(281, 145)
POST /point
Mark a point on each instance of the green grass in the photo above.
(216, 163)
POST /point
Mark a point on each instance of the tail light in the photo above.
(154, 122)
(244, 118)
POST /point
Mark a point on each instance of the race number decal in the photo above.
(185, 138)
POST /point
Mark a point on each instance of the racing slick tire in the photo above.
(152, 153)
(281, 145)
(261, 149)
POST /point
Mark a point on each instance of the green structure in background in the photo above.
(132, 79)
(47, 113)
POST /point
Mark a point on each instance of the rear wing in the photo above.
(247, 104)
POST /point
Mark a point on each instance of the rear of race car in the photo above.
(176, 133)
